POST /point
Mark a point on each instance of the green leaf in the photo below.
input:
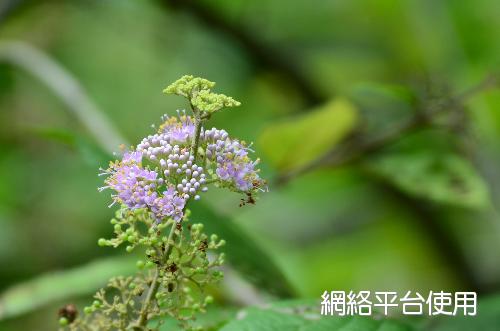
(296, 315)
(59, 285)
(91, 153)
(296, 142)
(242, 252)
(444, 178)
(487, 318)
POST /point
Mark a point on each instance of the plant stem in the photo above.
(155, 285)
(143, 318)
(196, 139)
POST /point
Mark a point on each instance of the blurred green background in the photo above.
(383, 173)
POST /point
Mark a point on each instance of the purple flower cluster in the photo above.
(161, 173)
(178, 129)
(233, 165)
(139, 187)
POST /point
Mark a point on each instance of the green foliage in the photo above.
(487, 319)
(91, 153)
(295, 316)
(443, 178)
(293, 143)
(247, 256)
(182, 271)
(212, 320)
(61, 285)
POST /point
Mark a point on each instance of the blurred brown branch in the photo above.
(262, 54)
(360, 145)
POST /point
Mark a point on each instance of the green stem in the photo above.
(196, 139)
(155, 285)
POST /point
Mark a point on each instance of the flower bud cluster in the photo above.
(185, 271)
(198, 92)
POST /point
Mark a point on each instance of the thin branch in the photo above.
(155, 284)
(172, 237)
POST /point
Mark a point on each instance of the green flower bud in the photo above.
(131, 286)
(129, 249)
(96, 303)
(87, 310)
(149, 264)
(222, 242)
(118, 228)
(102, 242)
(209, 299)
(63, 321)
(140, 264)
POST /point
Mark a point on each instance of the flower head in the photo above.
(162, 174)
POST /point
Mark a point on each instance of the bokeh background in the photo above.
(377, 124)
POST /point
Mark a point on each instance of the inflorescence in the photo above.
(153, 184)
(161, 173)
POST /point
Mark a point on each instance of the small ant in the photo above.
(69, 312)
(172, 267)
(170, 287)
(203, 246)
(249, 199)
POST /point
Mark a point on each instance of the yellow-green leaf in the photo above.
(60, 285)
(293, 143)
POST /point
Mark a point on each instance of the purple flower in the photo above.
(172, 177)
(233, 165)
(178, 129)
